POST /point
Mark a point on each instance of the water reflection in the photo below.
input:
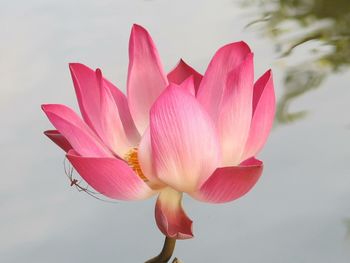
(347, 224)
(324, 25)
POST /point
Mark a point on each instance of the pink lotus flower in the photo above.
(172, 134)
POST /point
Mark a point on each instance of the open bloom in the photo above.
(173, 134)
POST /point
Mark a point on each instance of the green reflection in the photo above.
(293, 23)
(347, 224)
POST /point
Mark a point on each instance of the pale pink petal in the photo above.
(124, 113)
(236, 112)
(213, 84)
(264, 107)
(111, 177)
(182, 71)
(98, 107)
(146, 161)
(229, 183)
(79, 135)
(170, 217)
(185, 146)
(146, 77)
(59, 139)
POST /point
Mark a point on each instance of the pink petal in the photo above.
(188, 85)
(146, 77)
(212, 87)
(59, 139)
(87, 91)
(236, 112)
(111, 177)
(182, 71)
(98, 107)
(264, 107)
(124, 113)
(185, 146)
(79, 135)
(229, 183)
(170, 217)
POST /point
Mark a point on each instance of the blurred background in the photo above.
(299, 212)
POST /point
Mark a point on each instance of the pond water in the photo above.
(298, 212)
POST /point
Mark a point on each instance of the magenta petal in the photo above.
(111, 177)
(171, 219)
(182, 71)
(98, 107)
(146, 77)
(185, 147)
(59, 139)
(88, 92)
(264, 107)
(229, 183)
(213, 84)
(79, 135)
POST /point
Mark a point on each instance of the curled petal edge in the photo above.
(58, 139)
(171, 219)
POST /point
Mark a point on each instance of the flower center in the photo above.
(131, 157)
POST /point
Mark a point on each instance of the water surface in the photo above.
(298, 212)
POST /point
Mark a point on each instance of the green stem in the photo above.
(166, 253)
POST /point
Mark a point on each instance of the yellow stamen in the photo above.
(133, 161)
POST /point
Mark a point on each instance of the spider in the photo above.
(69, 171)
